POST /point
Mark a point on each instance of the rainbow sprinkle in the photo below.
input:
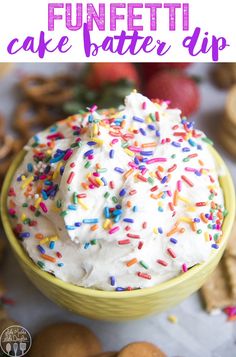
(148, 169)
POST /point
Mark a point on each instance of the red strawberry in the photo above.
(148, 69)
(178, 88)
(103, 73)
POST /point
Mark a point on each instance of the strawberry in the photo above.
(177, 87)
(148, 69)
(100, 74)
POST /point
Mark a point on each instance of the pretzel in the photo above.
(2, 125)
(49, 115)
(14, 146)
(28, 119)
(6, 143)
(48, 91)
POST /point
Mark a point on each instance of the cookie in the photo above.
(230, 106)
(227, 126)
(141, 349)
(106, 354)
(224, 75)
(6, 143)
(228, 142)
(65, 339)
(227, 130)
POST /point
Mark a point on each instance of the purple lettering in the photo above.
(172, 14)
(89, 48)
(114, 16)
(11, 45)
(52, 16)
(132, 17)
(124, 43)
(162, 50)
(98, 18)
(39, 46)
(78, 17)
(61, 45)
(197, 46)
(153, 15)
(185, 17)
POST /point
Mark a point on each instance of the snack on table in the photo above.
(231, 246)
(220, 290)
(227, 132)
(224, 74)
(48, 91)
(2, 125)
(74, 340)
(118, 200)
(9, 146)
(30, 118)
(230, 263)
(228, 142)
(42, 102)
(216, 291)
(141, 349)
(65, 339)
(230, 108)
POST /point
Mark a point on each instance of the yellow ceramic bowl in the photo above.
(110, 305)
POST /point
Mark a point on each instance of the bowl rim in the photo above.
(229, 198)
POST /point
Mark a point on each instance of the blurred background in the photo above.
(34, 96)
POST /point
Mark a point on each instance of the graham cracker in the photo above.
(220, 290)
(230, 264)
(231, 246)
(216, 291)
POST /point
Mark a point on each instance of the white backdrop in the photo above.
(20, 19)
